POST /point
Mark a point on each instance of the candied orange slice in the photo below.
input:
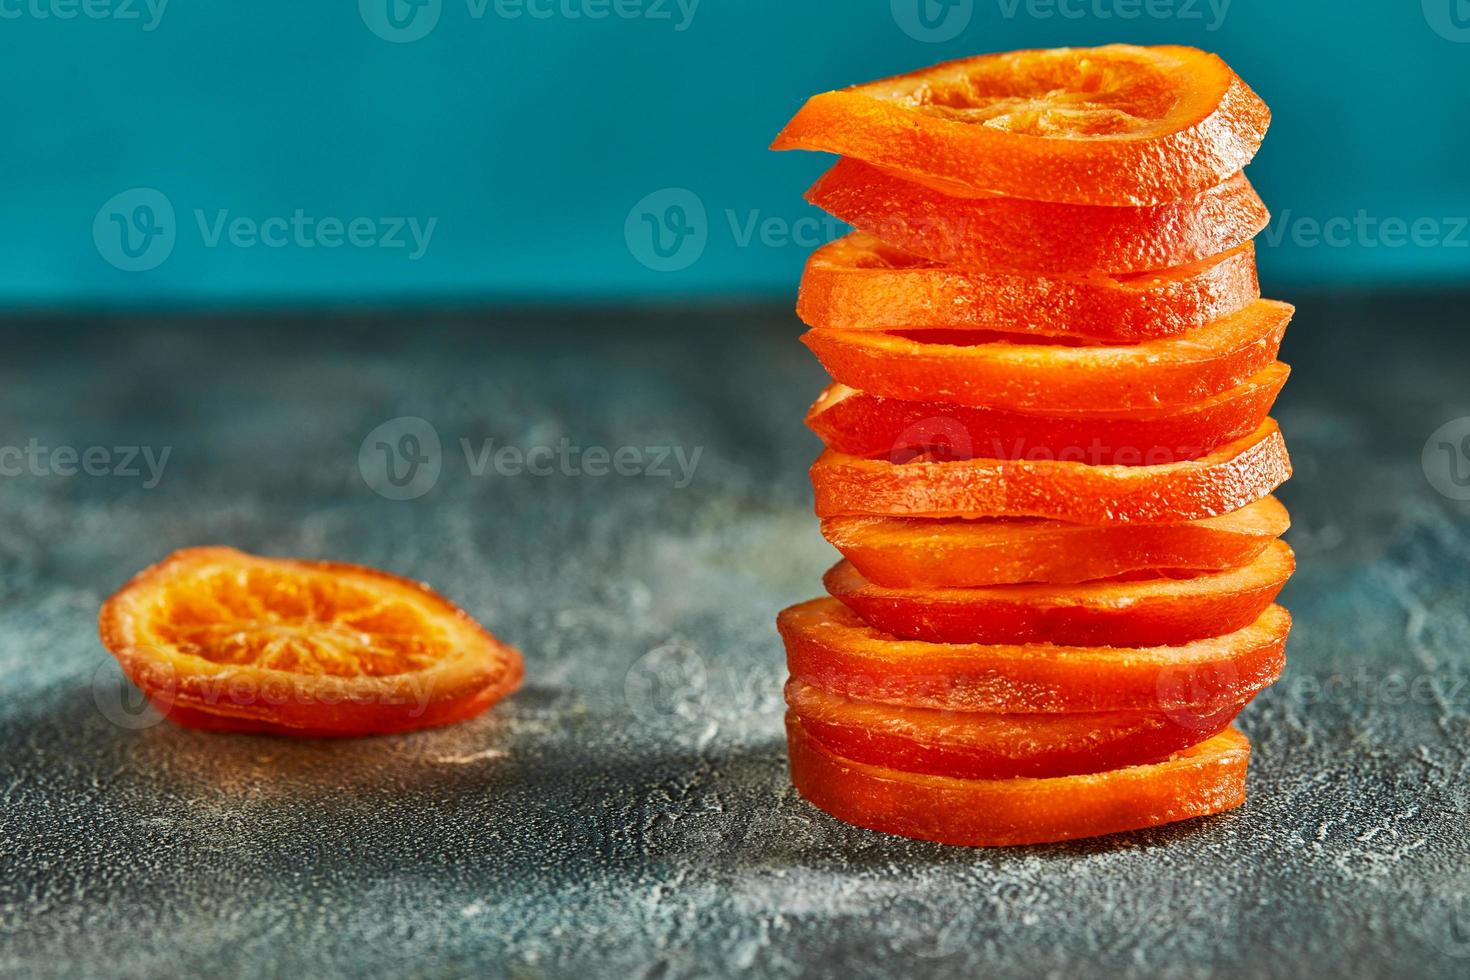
(859, 283)
(860, 424)
(830, 646)
(1158, 610)
(1115, 125)
(221, 639)
(1055, 378)
(1058, 239)
(976, 745)
(927, 553)
(1204, 779)
(1232, 476)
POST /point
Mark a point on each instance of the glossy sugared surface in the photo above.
(1115, 125)
(1208, 778)
(937, 553)
(858, 283)
(1232, 476)
(829, 646)
(861, 424)
(1029, 375)
(1052, 239)
(1138, 610)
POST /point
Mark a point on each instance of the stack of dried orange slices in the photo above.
(1049, 460)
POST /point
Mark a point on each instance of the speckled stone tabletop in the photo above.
(627, 813)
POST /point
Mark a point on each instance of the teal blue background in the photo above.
(529, 139)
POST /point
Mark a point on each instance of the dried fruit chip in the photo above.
(928, 553)
(859, 424)
(1057, 239)
(1158, 610)
(221, 639)
(1115, 125)
(1204, 779)
(973, 745)
(858, 283)
(970, 368)
(1232, 476)
(829, 646)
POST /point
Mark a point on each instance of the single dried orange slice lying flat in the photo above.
(225, 640)
(1235, 474)
(1057, 239)
(859, 283)
(980, 745)
(1136, 611)
(1116, 125)
(1204, 779)
(830, 646)
(937, 553)
(1042, 378)
(861, 424)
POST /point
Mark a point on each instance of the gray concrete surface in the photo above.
(628, 813)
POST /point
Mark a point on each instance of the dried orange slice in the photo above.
(1115, 125)
(1055, 378)
(859, 283)
(928, 553)
(829, 645)
(221, 639)
(862, 424)
(1158, 610)
(1235, 474)
(980, 745)
(1205, 779)
(1058, 239)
